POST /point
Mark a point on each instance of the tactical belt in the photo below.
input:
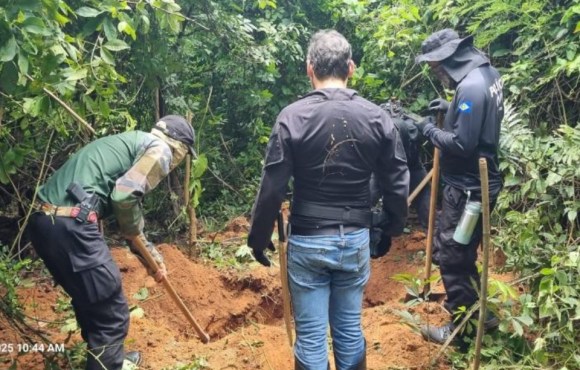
(323, 230)
(343, 215)
(61, 211)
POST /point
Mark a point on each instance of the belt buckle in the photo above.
(46, 208)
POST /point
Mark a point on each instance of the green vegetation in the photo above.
(73, 70)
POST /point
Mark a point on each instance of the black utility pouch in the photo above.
(86, 202)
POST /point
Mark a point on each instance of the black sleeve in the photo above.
(393, 176)
(469, 110)
(275, 176)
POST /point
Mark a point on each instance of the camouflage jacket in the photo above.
(120, 169)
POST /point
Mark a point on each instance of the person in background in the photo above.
(412, 139)
(470, 131)
(107, 176)
(330, 141)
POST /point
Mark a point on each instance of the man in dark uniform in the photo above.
(471, 131)
(329, 141)
(412, 139)
(111, 175)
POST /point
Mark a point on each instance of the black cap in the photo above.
(441, 45)
(177, 127)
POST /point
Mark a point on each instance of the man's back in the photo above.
(330, 142)
(97, 166)
(335, 139)
(475, 115)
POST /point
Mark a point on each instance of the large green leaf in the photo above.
(107, 56)
(36, 25)
(199, 166)
(87, 12)
(8, 50)
(22, 62)
(116, 45)
(110, 30)
(75, 74)
(125, 27)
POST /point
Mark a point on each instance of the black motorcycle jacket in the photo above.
(330, 141)
(471, 128)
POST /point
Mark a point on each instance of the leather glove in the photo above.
(261, 257)
(438, 105)
(382, 247)
(423, 123)
(162, 271)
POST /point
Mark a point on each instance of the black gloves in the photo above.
(261, 257)
(380, 244)
(421, 124)
(438, 105)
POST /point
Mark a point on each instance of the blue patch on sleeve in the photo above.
(465, 106)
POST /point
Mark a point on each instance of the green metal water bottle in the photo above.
(467, 223)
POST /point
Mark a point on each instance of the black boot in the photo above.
(441, 334)
(437, 334)
(134, 357)
(491, 321)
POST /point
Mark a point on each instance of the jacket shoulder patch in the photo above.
(465, 106)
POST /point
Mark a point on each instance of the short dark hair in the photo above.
(329, 53)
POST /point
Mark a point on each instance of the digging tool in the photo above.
(432, 209)
(282, 244)
(153, 266)
(486, 245)
(420, 187)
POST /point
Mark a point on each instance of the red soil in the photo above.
(242, 313)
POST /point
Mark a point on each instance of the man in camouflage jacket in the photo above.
(116, 172)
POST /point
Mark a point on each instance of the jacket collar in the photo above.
(332, 94)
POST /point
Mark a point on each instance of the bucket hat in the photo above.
(441, 45)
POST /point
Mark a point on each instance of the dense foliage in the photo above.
(73, 70)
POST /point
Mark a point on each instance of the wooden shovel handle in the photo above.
(138, 243)
(432, 212)
(282, 253)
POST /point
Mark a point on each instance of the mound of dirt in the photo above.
(242, 313)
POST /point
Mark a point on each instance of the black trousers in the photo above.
(457, 261)
(94, 286)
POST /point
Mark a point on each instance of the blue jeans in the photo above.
(327, 276)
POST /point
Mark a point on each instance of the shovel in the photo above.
(483, 174)
(420, 187)
(282, 252)
(153, 265)
(434, 174)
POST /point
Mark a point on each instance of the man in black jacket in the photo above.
(471, 131)
(411, 138)
(329, 141)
